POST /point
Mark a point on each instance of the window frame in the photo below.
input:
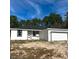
(35, 32)
(19, 33)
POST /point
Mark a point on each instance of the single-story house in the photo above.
(49, 34)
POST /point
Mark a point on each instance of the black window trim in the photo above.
(19, 33)
(35, 32)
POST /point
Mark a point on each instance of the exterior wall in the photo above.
(35, 38)
(31, 37)
(14, 35)
(56, 36)
(49, 35)
(44, 35)
(25, 35)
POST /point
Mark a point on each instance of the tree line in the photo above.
(53, 20)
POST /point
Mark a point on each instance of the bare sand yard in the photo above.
(38, 50)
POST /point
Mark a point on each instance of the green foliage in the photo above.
(22, 23)
(13, 22)
(46, 20)
(53, 20)
(35, 21)
(65, 24)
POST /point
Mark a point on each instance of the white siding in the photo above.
(49, 35)
(44, 35)
(31, 37)
(35, 38)
(59, 36)
(25, 35)
(14, 35)
(56, 36)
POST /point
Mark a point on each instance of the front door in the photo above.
(29, 37)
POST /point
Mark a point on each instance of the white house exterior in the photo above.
(24, 34)
(57, 34)
(49, 34)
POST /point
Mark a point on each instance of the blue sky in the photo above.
(28, 9)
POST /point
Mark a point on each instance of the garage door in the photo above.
(58, 36)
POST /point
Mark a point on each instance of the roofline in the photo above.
(54, 29)
(59, 31)
(25, 29)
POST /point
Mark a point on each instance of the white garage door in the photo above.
(58, 36)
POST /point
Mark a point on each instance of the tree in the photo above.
(55, 20)
(22, 23)
(28, 24)
(65, 25)
(36, 22)
(13, 22)
(46, 21)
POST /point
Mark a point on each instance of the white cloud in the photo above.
(35, 6)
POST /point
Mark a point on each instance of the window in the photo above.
(19, 33)
(35, 32)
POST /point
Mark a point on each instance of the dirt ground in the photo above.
(38, 50)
